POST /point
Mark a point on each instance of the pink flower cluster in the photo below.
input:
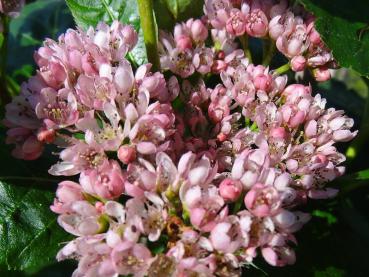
(176, 178)
(290, 28)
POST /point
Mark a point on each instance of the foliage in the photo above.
(344, 28)
(30, 236)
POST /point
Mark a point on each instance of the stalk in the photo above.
(245, 46)
(268, 51)
(283, 69)
(150, 32)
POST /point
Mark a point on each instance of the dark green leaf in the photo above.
(331, 219)
(344, 28)
(30, 236)
(353, 181)
(184, 9)
(170, 12)
(1, 39)
(38, 20)
(330, 272)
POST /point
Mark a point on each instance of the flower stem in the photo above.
(245, 46)
(282, 69)
(268, 51)
(150, 32)
(4, 94)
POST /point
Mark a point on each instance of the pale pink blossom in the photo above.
(131, 258)
(107, 181)
(262, 200)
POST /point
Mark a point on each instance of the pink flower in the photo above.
(224, 237)
(298, 63)
(130, 258)
(279, 256)
(78, 157)
(203, 60)
(230, 189)
(217, 12)
(248, 167)
(236, 23)
(57, 109)
(219, 106)
(110, 135)
(107, 181)
(27, 146)
(94, 256)
(67, 193)
(140, 178)
(155, 218)
(205, 207)
(82, 220)
(321, 74)
(199, 31)
(293, 43)
(262, 200)
(127, 154)
(93, 92)
(256, 23)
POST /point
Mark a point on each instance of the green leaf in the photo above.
(38, 20)
(30, 236)
(184, 9)
(330, 272)
(353, 181)
(344, 28)
(173, 7)
(88, 13)
(170, 12)
(1, 39)
(331, 219)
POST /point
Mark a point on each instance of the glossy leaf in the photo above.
(344, 28)
(30, 236)
(39, 20)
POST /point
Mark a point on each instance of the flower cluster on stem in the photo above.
(173, 176)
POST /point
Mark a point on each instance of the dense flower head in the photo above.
(290, 29)
(213, 174)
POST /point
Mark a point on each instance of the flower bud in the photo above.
(69, 191)
(199, 31)
(230, 189)
(127, 154)
(236, 23)
(314, 37)
(321, 74)
(298, 63)
(218, 66)
(257, 23)
(47, 136)
(262, 82)
(130, 36)
(183, 42)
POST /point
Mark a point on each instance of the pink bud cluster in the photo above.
(214, 176)
(290, 28)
